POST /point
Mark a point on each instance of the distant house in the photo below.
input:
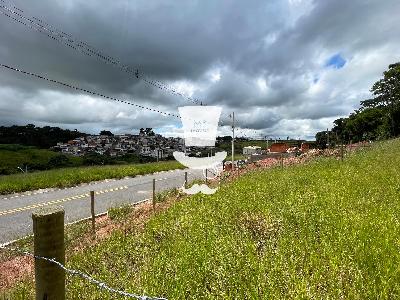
(158, 153)
(279, 147)
(249, 150)
(120, 144)
(145, 150)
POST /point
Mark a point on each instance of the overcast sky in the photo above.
(287, 68)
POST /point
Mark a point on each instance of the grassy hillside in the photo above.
(14, 156)
(73, 176)
(327, 230)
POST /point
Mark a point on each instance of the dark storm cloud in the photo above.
(266, 59)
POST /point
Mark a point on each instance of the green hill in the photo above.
(13, 156)
(326, 230)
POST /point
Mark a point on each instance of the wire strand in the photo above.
(73, 272)
(64, 38)
(87, 91)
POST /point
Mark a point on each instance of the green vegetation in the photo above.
(120, 213)
(326, 230)
(14, 156)
(377, 119)
(163, 196)
(73, 176)
(30, 135)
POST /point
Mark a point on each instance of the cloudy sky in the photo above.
(286, 67)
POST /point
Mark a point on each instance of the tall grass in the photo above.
(72, 176)
(326, 230)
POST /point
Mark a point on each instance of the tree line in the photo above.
(30, 135)
(377, 118)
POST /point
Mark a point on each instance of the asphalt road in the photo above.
(16, 209)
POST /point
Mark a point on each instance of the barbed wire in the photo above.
(87, 91)
(83, 275)
(64, 38)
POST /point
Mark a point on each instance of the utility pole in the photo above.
(233, 139)
(327, 137)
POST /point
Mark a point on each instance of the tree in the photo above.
(378, 117)
(387, 96)
(30, 135)
(58, 161)
(321, 139)
(94, 158)
(226, 138)
(149, 132)
(106, 132)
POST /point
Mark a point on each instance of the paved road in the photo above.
(16, 209)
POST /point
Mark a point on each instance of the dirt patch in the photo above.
(263, 229)
(135, 220)
(14, 269)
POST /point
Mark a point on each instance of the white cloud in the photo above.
(265, 60)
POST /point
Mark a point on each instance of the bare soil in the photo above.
(15, 268)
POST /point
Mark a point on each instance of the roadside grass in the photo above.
(73, 234)
(78, 236)
(72, 176)
(120, 213)
(325, 230)
(165, 195)
(23, 291)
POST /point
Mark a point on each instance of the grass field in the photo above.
(326, 230)
(14, 156)
(72, 176)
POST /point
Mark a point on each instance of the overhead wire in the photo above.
(52, 32)
(87, 91)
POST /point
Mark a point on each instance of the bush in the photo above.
(58, 161)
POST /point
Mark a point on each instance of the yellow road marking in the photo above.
(24, 208)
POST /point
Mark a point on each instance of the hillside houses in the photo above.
(118, 145)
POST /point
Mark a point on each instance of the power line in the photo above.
(83, 275)
(52, 32)
(87, 91)
(61, 37)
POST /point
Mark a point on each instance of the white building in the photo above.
(249, 150)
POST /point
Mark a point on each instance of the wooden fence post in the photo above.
(282, 161)
(206, 175)
(154, 194)
(186, 180)
(48, 231)
(92, 213)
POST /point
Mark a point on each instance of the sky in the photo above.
(285, 67)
